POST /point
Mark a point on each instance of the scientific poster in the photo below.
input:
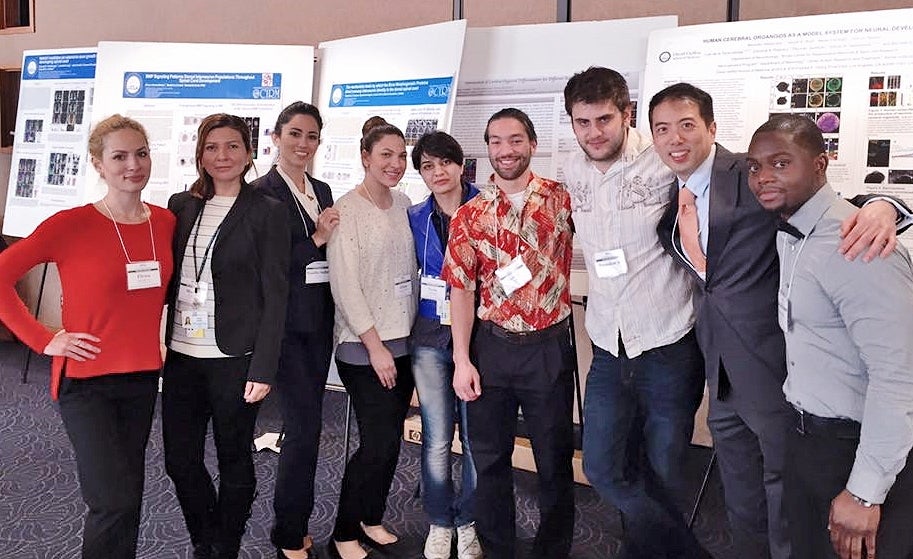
(520, 66)
(405, 76)
(49, 160)
(849, 73)
(171, 87)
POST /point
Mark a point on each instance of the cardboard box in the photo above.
(523, 452)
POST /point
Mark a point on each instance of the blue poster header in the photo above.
(59, 66)
(202, 85)
(431, 91)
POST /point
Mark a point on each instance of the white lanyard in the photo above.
(121, 238)
(792, 275)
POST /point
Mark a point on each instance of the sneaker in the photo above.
(437, 544)
(468, 546)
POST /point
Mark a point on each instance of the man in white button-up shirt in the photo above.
(647, 372)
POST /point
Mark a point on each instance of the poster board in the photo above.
(48, 166)
(405, 76)
(527, 67)
(850, 73)
(171, 87)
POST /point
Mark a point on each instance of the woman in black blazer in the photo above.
(308, 341)
(225, 324)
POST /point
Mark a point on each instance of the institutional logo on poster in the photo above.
(336, 96)
(31, 66)
(133, 84)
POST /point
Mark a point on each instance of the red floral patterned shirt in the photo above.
(487, 233)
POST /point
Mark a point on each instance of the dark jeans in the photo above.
(300, 381)
(108, 420)
(537, 378)
(818, 464)
(380, 414)
(639, 419)
(194, 392)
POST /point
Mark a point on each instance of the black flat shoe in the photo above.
(382, 548)
(311, 552)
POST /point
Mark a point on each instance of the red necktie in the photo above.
(687, 229)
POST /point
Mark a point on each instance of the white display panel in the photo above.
(527, 67)
(170, 87)
(405, 76)
(48, 167)
(850, 73)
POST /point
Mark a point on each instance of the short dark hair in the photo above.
(595, 85)
(438, 144)
(516, 114)
(376, 128)
(685, 92)
(204, 187)
(803, 131)
(297, 108)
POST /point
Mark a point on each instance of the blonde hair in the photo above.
(111, 124)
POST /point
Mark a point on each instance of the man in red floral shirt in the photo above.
(510, 249)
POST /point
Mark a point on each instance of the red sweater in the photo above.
(90, 259)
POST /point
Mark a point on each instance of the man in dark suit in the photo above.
(732, 255)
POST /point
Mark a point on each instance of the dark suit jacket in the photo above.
(310, 307)
(736, 307)
(249, 273)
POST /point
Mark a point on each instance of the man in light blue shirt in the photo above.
(848, 328)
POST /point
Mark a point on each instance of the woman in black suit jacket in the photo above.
(225, 324)
(308, 340)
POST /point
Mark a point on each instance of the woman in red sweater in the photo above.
(115, 262)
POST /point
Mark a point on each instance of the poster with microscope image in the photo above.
(47, 171)
(172, 87)
(849, 73)
(357, 82)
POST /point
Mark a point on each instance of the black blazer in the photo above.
(249, 273)
(310, 307)
(736, 306)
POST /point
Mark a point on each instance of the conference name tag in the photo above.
(143, 275)
(784, 312)
(317, 271)
(610, 263)
(402, 286)
(192, 292)
(513, 276)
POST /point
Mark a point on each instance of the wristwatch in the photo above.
(862, 502)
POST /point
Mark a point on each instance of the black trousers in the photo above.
(303, 367)
(193, 392)
(819, 459)
(380, 414)
(108, 420)
(537, 378)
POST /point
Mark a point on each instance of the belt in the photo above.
(525, 338)
(841, 427)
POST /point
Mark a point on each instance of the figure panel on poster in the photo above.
(405, 76)
(849, 73)
(171, 87)
(48, 167)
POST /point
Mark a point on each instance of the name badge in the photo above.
(192, 292)
(195, 322)
(434, 289)
(402, 286)
(610, 263)
(513, 276)
(784, 312)
(444, 312)
(143, 275)
(317, 271)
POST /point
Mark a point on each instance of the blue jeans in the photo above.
(639, 418)
(433, 371)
